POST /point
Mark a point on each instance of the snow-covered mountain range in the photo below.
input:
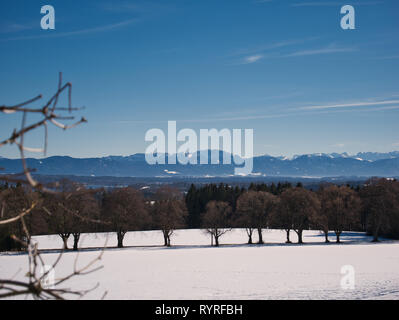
(309, 165)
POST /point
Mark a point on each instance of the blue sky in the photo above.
(284, 68)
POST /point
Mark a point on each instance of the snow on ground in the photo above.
(193, 270)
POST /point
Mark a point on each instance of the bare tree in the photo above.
(14, 200)
(217, 219)
(58, 206)
(246, 213)
(283, 218)
(254, 209)
(84, 209)
(49, 113)
(302, 204)
(340, 208)
(125, 209)
(380, 202)
(169, 212)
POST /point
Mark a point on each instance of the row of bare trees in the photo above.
(73, 210)
(375, 209)
(127, 210)
(258, 210)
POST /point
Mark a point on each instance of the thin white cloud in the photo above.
(253, 59)
(270, 46)
(327, 50)
(55, 34)
(302, 111)
(251, 55)
(350, 105)
(254, 55)
(334, 3)
(254, 117)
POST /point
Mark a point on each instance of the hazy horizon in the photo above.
(255, 155)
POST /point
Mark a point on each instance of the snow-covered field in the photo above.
(194, 270)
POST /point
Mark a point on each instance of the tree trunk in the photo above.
(299, 233)
(76, 237)
(120, 235)
(168, 241)
(326, 236)
(260, 236)
(375, 234)
(64, 238)
(216, 241)
(288, 235)
(165, 238)
(249, 233)
(338, 234)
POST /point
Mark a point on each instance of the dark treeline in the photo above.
(198, 197)
(215, 208)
